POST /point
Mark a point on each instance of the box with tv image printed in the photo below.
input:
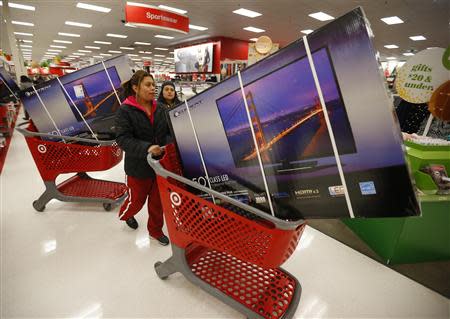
(64, 106)
(309, 130)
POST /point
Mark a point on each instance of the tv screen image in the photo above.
(289, 125)
(93, 94)
(194, 59)
(8, 87)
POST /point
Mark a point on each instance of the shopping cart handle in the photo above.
(280, 223)
(28, 133)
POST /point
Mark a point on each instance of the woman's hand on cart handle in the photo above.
(155, 150)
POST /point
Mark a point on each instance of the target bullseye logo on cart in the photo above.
(175, 198)
(42, 149)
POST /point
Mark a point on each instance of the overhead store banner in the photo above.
(421, 75)
(142, 15)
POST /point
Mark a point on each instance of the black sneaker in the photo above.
(163, 240)
(132, 223)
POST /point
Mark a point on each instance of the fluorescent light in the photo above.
(88, 51)
(142, 43)
(126, 48)
(91, 47)
(160, 55)
(163, 36)
(24, 33)
(102, 42)
(162, 49)
(113, 35)
(172, 9)
(418, 38)
(408, 54)
(21, 6)
(170, 59)
(54, 50)
(26, 50)
(62, 41)
(141, 51)
(58, 46)
(148, 52)
(28, 24)
(392, 20)
(308, 31)
(74, 56)
(254, 39)
(158, 60)
(136, 59)
(322, 16)
(391, 46)
(86, 6)
(147, 57)
(26, 41)
(247, 13)
(105, 54)
(172, 52)
(112, 51)
(77, 53)
(74, 35)
(78, 24)
(197, 27)
(26, 46)
(253, 29)
(132, 54)
(97, 56)
(391, 58)
(130, 25)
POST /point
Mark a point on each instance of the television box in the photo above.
(90, 93)
(8, 87)
(291, 132)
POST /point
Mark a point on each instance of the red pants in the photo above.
(140, 190)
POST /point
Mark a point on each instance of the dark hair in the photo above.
(24, 79)
(161, 98)
(136, 79)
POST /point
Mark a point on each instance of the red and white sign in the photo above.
(142, 15)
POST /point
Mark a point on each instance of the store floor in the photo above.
(78, 261)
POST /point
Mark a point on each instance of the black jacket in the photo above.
(135, 134)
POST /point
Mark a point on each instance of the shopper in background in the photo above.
(141, 128)
(168, 95)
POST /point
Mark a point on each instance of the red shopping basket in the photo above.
(233, 256)
(67, 155)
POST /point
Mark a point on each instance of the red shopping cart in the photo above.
(233, 253)
(74, 155)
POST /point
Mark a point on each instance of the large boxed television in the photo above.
(8, 87)
(91, 94)
(290, 129)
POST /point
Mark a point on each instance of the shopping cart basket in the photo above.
(232, 254)
(53, 158)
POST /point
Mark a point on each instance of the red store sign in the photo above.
(143, 15)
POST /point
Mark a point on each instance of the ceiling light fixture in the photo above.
(113, 51)
(254, 39)
(322, 16)
(418, 38)
(24, 33)
(308, 31)
(247, 13)
(28, 24)
(126, 48)
(26, 46)
(197, 27)
(62, 41)
(180, 11)
(102, 42)
(132, 54)
(73, 35)
(391, 46)
(20, 6)
(77, 53)
(253, 29)
(78, 24)
(114, 35)
(162, 49)
(163, 36)
(142, 43)
(91, 47)
(408, 54)
(86, 6)
(26, 41)
(147, 57)
(54, 50)
(58, 46)
(105, 54)
(87, 51)
(391, 58)
(97, 56)
(392, 20)
(160, 55)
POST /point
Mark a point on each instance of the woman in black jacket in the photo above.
(141, 128)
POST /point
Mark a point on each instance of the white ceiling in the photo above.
(282, 19)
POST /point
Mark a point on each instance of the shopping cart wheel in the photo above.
(157, 264)
(39, 208)
(107, 206)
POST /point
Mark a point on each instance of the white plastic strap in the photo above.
(427, 127)
(199, 148)
(256, 144)
(110, 81)
(48, 113)
(330, 131)
(84, 120)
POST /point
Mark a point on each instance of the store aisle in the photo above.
(78, 261)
